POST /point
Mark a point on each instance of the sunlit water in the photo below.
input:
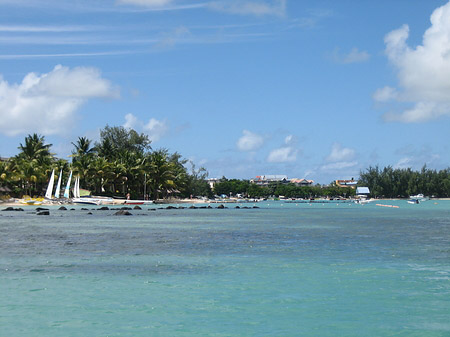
(284, 269)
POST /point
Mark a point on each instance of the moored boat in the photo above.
(420, 197)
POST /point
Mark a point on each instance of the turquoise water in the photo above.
(285, 269)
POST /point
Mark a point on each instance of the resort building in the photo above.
(301, 182)
(347, 183)
(265, 180)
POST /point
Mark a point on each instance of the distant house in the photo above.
(301, 182)
(212, 182)
(347, 183)
(4, 159)
(265, 180)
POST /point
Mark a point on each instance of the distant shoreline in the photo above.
(185, 201)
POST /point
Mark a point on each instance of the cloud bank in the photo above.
(423, 72)
(48, 103)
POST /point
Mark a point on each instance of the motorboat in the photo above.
(137, 202)
(419, 197)
(86, 201)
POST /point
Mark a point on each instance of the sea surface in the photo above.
(284, 269)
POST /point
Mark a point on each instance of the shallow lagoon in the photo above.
(285, 269)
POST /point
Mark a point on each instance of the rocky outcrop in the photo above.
(122, 212)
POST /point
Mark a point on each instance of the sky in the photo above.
(310, 89)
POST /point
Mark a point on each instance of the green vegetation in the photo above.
(244, 187)
(400, 183)
(121, 162)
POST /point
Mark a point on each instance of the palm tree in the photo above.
(99, 168)
(83, 148)
(35, 149)
(161, 172)
(33, 163)
(82, 158)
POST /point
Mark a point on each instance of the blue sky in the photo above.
(310, 89)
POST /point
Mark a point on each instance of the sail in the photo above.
(76, 189)
(58, 186)
(48, 193)
(66, 191)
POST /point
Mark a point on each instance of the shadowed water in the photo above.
(281, 270)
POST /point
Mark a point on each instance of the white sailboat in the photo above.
(77, 199)
(67, 189)
(58, 186)
(48, 193)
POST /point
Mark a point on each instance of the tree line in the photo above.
(121, 162)
(400, 183)
(246, 188)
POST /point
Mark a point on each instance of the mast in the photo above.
(58, 186)
(48, 193)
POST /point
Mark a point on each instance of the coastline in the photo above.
(121, 202)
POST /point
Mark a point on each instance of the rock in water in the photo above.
(122, 212)
(43, 213)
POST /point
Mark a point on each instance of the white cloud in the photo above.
(146, 3)
(354, 56)
(290, 139)
(339, 166)
(48, 103)
(340, 154)
(420, 112)
(282, 155)
(249, 141)
(169, 39)
(41, 29)
(286, 153)
(385, 94)
(414, 157)
(423, 72)
(340, 158)
(131, 122)
(258, 8)
(154, 128)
